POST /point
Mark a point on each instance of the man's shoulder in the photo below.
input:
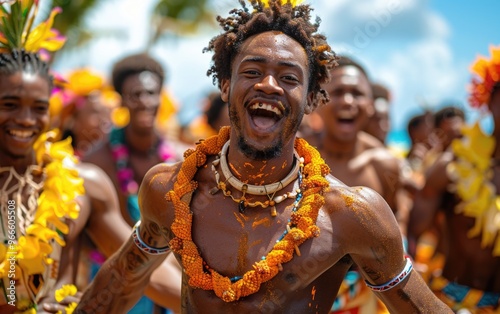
(369, 141)
(355, 207)
(380, 157)
(97, 183)
(351, 199)
(161, 178)
(91, 172)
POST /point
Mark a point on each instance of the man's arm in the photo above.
(166, 293)
(122, 279)
(378, 252)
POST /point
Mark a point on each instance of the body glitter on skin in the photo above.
(264, 221)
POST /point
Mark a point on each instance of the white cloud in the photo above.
(403, 43)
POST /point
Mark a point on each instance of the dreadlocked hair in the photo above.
(21, 61)
(293, 21)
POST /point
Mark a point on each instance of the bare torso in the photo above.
(467, 261)
(370, 165)
(231, 242)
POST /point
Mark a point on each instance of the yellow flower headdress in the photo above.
(294, 3)
(487, 75)
(17, 32)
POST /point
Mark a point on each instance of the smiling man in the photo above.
(252, 214)
(356, 158)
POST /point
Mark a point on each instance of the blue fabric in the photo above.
(351, 279)
(458, 292)
(133, 207)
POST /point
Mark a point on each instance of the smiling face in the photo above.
(141, 95)
(24, 103)
(350, 106)
(267, 94)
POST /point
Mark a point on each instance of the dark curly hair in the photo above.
(135, 64)
(292, 21)
(22, 61)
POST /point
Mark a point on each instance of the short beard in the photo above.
(269, 153)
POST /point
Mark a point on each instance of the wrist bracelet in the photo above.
(394, 282)
(143, 246)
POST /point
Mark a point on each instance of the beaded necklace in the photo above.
(301, 226)
(125, 174)
(268, 190)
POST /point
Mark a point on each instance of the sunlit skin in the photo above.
(356, 224)
(467, 262)
(24, 111)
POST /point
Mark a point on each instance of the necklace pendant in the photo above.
(214, 190)
(273, 211)
(241, 206)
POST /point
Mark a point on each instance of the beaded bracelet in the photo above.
(394, 282)
(143, 246)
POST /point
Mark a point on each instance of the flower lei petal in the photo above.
(471, 174)
(302, 226)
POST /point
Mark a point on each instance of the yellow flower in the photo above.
(55, 104)
(43, 37)
(293, 2)
(472, 176)
(55, 204)
(33, 255)
(29, 311)
(69, 309)
(82, 82)
(65, 291)
(46, 234)
(120, 116)
(25, 305)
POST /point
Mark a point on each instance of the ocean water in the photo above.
(399, 139)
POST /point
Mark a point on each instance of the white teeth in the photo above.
(21, 134)
(345, 115)
(266, 107)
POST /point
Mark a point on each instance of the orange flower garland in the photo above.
(302, 224)
(488, 74)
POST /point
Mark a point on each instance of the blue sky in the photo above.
(420, 49)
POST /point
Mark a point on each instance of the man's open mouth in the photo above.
(265, 115)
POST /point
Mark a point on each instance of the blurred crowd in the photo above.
(127, 123)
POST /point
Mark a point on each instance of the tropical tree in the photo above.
(179, 17)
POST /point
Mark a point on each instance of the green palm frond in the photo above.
(70, 21)
(180, 17)
(15, 16)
